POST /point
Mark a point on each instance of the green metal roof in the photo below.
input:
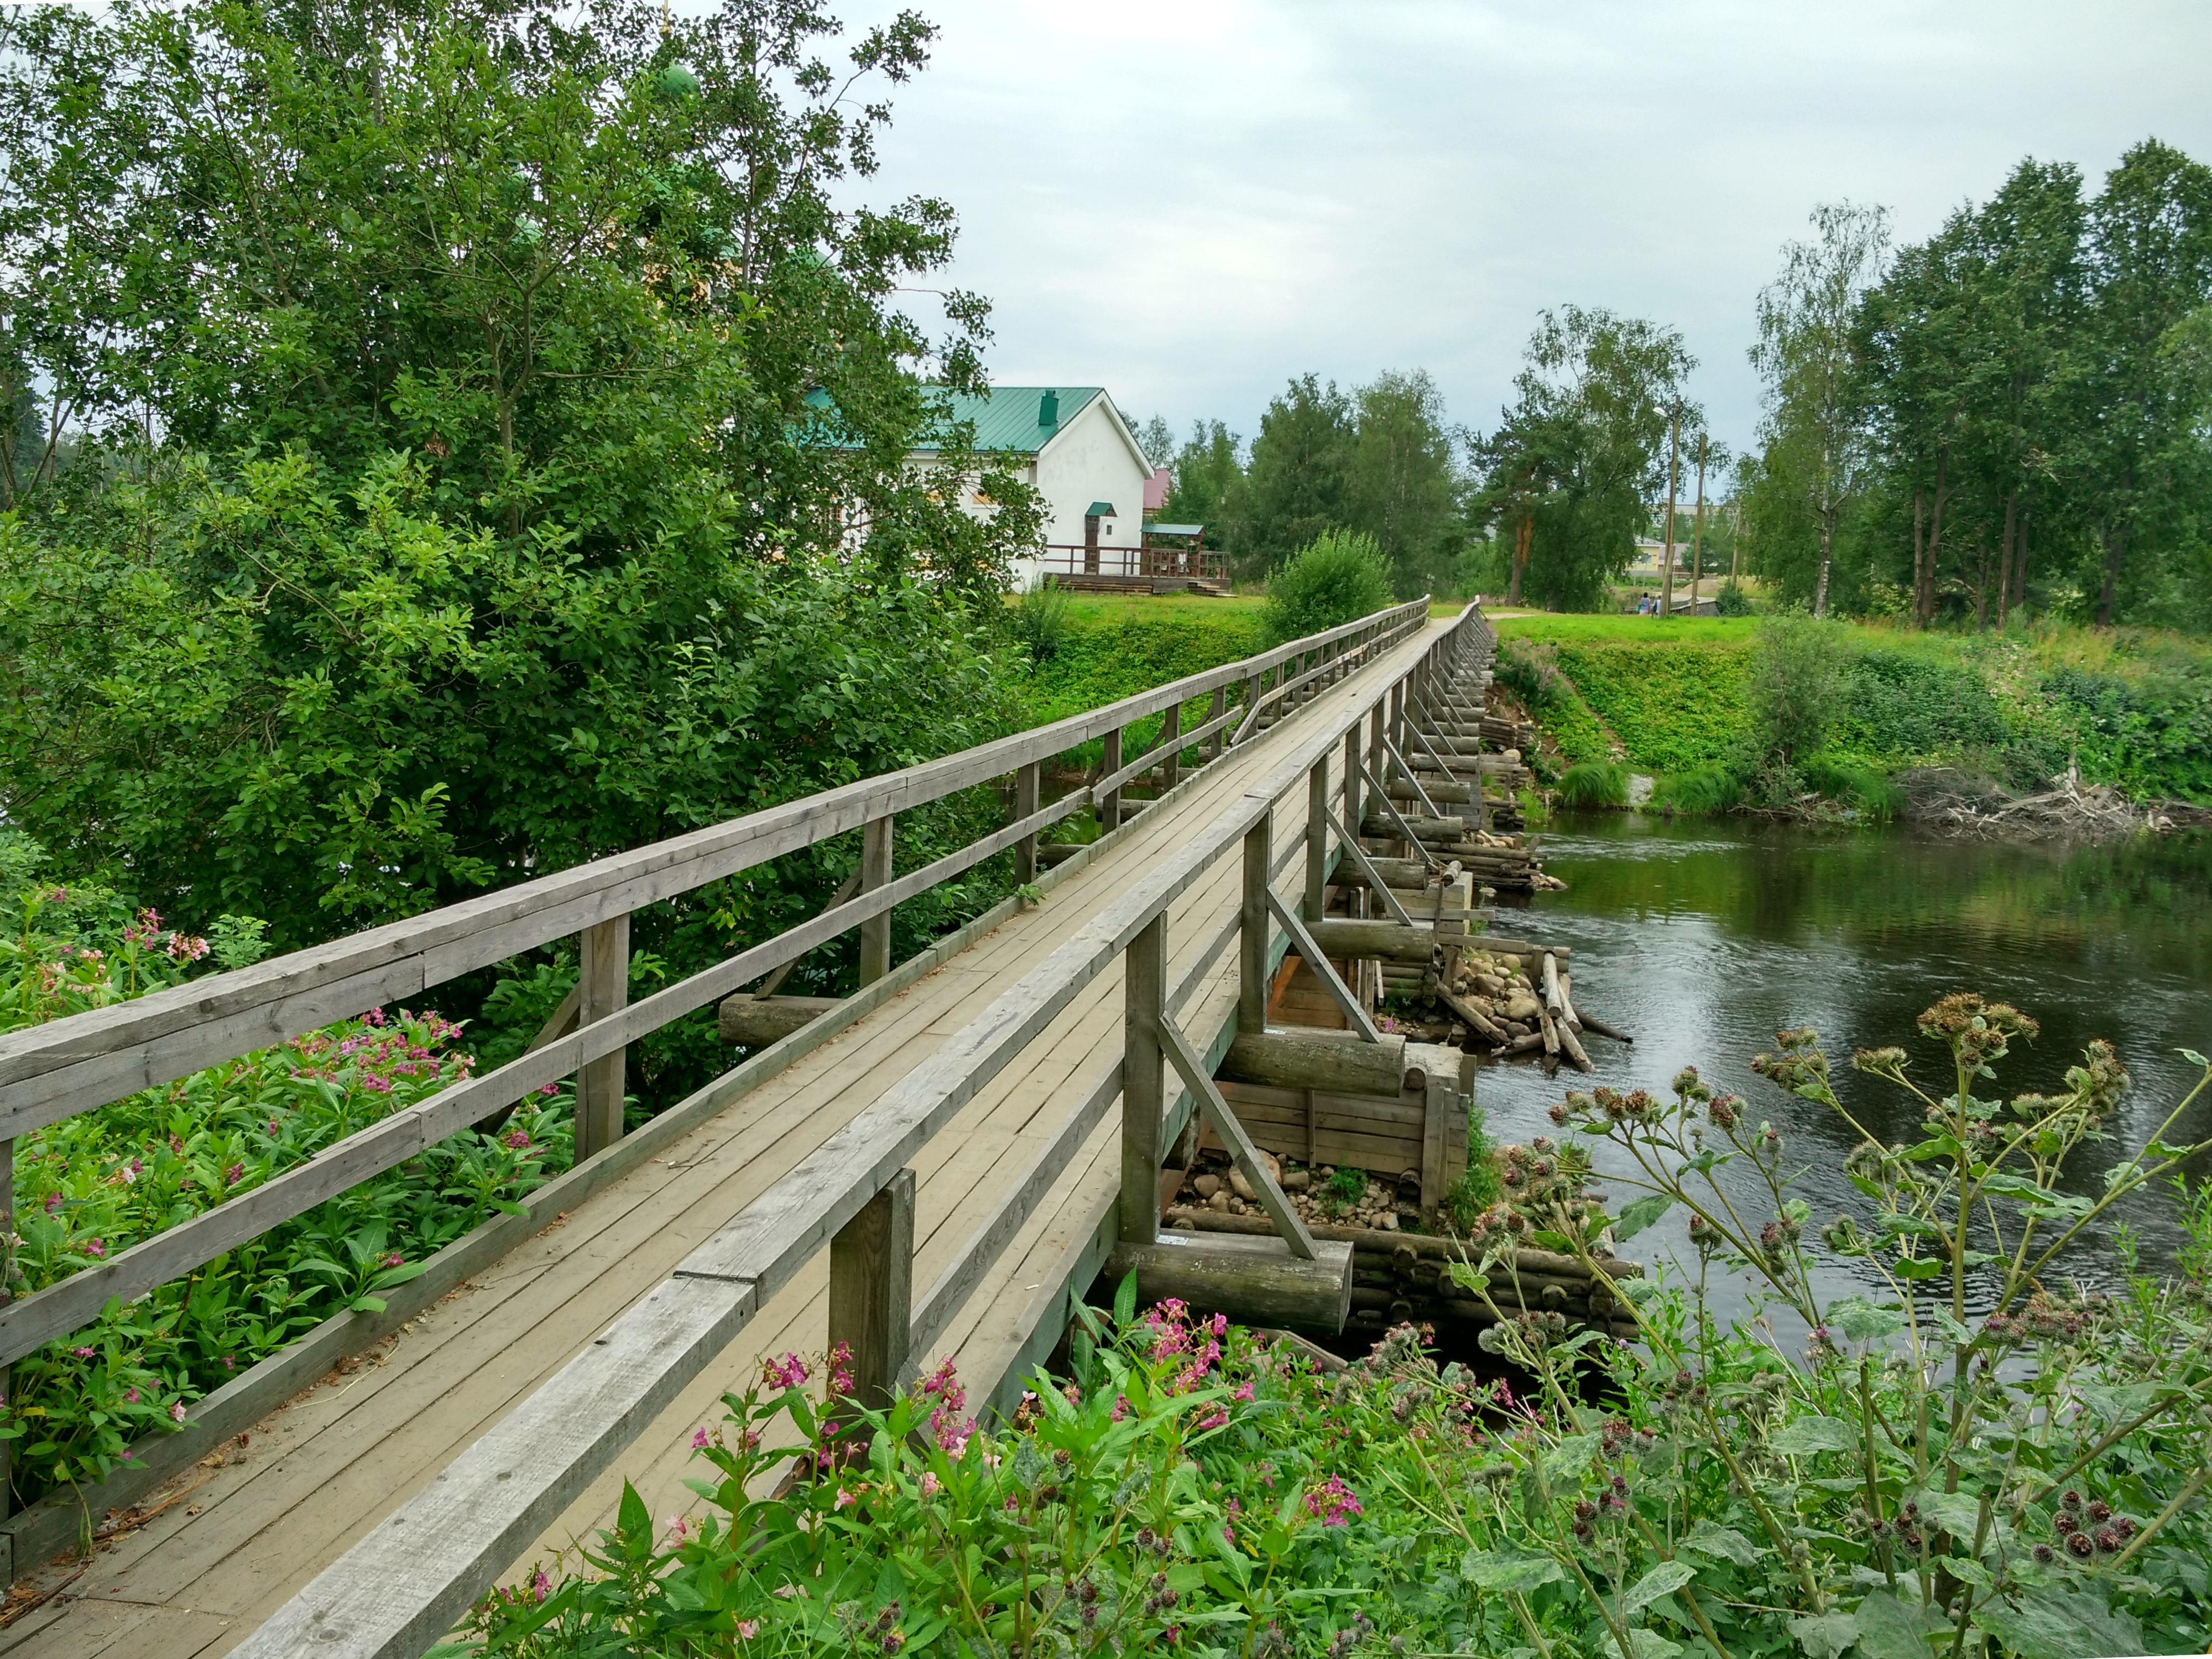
(1007, 417)
(1100, 510)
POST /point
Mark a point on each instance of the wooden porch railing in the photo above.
(1204, 564)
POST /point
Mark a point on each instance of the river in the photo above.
(1704, 938)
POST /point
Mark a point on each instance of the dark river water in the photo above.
(1705, 938)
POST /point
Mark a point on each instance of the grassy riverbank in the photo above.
(2130, 707)
(1108, 646)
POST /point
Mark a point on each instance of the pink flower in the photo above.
(230, 1175)
(53, 1202)
(1333, 1502)
(553, 1089)
(131, 1396)
(841, 1369)
(929, 1482)
(541, 1585)
(749, 1628)
(698, 1439)
(1243, 1391)
(845, 1498)
(789, 1372)
(374, 1016)
(678, 1527)
(1212, 1420)
(82, 1354)
(95, 1246)
(176, 1411)
(394, 1260)
(516, 1138)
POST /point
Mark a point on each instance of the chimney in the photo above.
(1048, 408)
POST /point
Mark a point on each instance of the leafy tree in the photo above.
(1816, 433)
(495, 427)
(1402, 486)
(1568, 471)
(1295, 486)
(1156, 439)
(2141, 457)
(1208, 471)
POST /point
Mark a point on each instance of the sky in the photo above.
(1189, 202)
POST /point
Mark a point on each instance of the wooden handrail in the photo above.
(401, 1587)
(72, 1065)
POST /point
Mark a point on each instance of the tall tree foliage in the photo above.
(1568, 475)
(1814, 431)
(2025, 387)
(1208, 469)
(451, 506)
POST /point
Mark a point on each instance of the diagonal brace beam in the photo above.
(1391, 749)
(1246, 1156)
(1328, 975)
(1383, 799)
(1366, 868)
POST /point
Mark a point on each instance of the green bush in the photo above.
(2018, 1475)
(1530, 670)
(1731, 601)
(1700, 793)
(1040, 622)
(94, 1184)
(1905, 706)
(1340, 576)
(1797, 682)
(1869, 792)
(1595, 783)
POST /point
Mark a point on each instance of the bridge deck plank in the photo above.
(320, 1472)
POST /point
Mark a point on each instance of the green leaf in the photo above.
(1663, 1580)
(633, 1521)
(1891, 1629)
(2194, 1057)
(1912, 1267)
(1650, 1644)
(2054, 1624)
(1807, 1434)
(1467, 1277)
(1570, 1457)
(1825, 1635)
(1720, 1543)
(1914, 1224)
(1505, 1571)
(1860, 1320)
(1124, 1299)
(1641, 1214)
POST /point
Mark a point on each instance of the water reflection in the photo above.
(1705, 939)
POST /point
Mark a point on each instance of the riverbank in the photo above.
(1917, 719)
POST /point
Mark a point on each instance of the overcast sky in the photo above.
(1189, 201)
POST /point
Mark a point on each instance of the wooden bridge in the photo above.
(929, 1168)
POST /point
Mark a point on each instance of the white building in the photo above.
(1072, 445)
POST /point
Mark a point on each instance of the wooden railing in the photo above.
(51, 1072)
(1206, 564)
(398, 1590)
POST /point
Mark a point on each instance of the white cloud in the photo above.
(1192, 200)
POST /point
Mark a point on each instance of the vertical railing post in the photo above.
(1144, 984)
(7, 1373)
(602, 987)
(875, 861)
(1215, 743)
(1397, 722)
(1258, 925)
(1317, 840)
(1355, 800)
(1378, 756)
(871, 1292)
(1109, 803)
(1170, 745)
(1028, 788)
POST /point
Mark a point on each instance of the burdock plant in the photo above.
(1972, 1454)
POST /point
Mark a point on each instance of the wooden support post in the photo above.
(1109, 803)
(1144, 988)
(1317, 839)
(1394, 733)
(1438, 1099)
(876, 872)
(1028, 787)
(605, 988)
(871, 1292)
(1375, 752)
(7, 1374)
(1354, 807)
(1171, 750)
(1252, 957)
(1215, 743)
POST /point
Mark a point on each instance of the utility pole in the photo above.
(1698, 529)
(1736, 540)
(1674, 482)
